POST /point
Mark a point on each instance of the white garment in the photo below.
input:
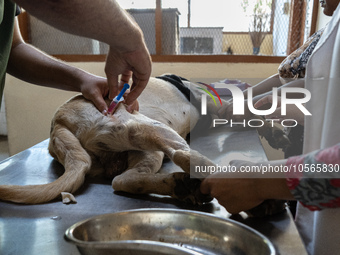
(320, 230)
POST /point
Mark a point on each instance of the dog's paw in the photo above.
(278, 139)
(267, 208)
(188, 189)
(274, 135)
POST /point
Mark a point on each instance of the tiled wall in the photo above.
(3, 122)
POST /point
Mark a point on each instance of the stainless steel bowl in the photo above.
(166, 231)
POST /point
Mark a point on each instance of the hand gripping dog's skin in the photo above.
(128, 147)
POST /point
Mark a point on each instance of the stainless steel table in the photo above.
(39, 229)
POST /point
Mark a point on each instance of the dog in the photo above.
(128, 147)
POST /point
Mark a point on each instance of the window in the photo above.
(197, 45)
(196, 30)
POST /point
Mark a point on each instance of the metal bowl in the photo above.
(166, 231)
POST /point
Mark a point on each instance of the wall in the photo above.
(244, 71)
(3, 121)
(215, 33)
(54, 41)
(30, 108)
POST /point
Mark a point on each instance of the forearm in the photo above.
(314, 178)
(107, 22)
(293, 84)
(244, 189)
(31, 65)
(270, 180)
(265, 85)
(273, 184)
(103, 20)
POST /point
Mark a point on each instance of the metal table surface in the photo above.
(39, 229)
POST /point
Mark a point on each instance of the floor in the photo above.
(3, 148)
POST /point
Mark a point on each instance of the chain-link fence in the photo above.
(192, 27)
(54, 41)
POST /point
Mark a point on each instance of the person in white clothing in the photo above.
(314, 176)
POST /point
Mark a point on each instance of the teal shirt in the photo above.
(7, 15)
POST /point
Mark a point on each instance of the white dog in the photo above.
(127, 147)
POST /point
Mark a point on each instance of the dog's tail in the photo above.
(37, 194)
(67, 149)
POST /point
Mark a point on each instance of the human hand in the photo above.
(235, 193)
(134, 106)
(226, 112)
(135, 64)
(94, 88)
(241, 191)
(293, 112)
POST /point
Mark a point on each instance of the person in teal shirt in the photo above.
(107, 22)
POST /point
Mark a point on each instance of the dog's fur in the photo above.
(128, 147)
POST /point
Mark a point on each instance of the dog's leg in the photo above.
(142, 178)
(76, 164)
(128, 132)
(145, 134)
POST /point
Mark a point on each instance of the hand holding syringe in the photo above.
(118, 98)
